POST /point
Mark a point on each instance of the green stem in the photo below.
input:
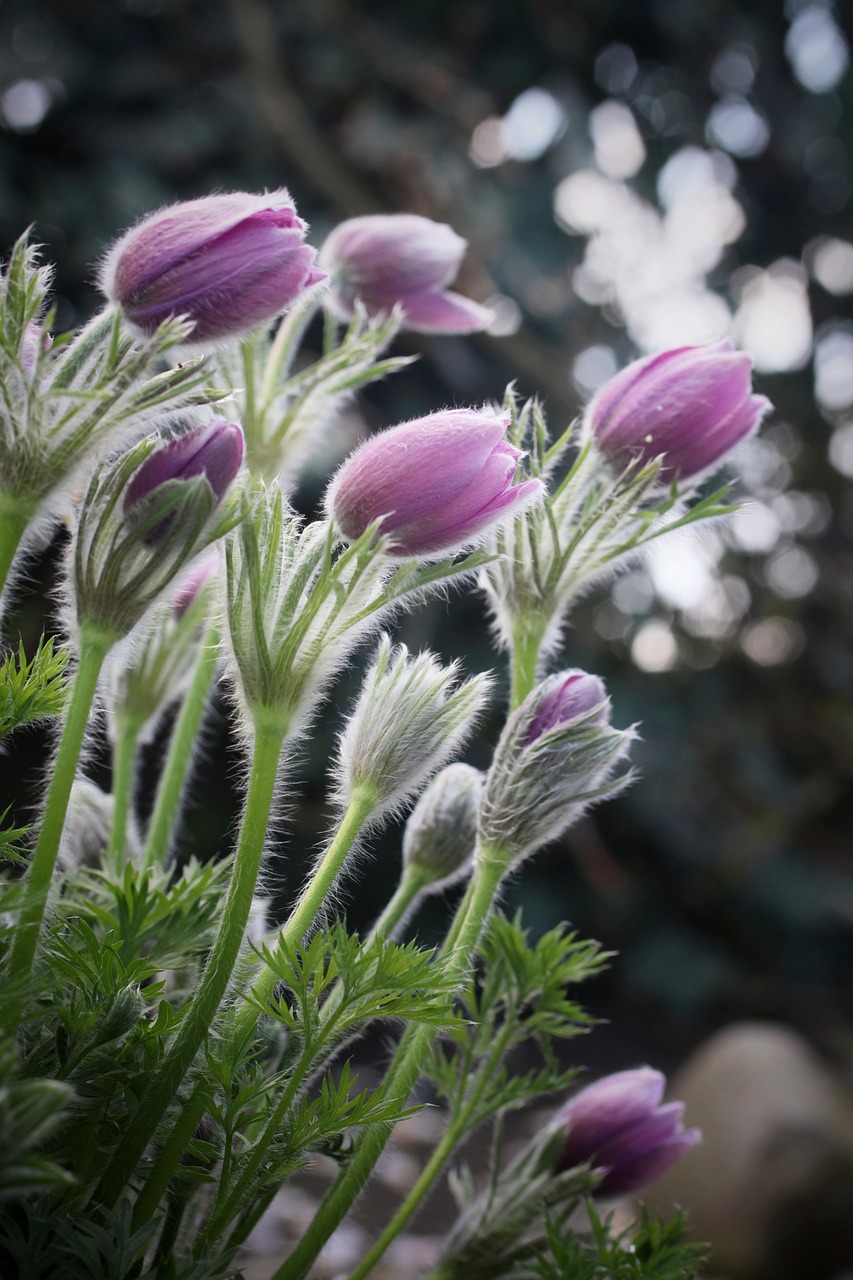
(94, 646)
(455, 1132)
(184, 737)
(173, 1152)
(312, 898)
(403, 1072)
(14, 518)
(411, 886)
(201, 1010)
(528, 632)
(124, 757)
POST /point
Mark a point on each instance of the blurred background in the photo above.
(628, 176)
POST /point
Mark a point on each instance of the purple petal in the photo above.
(386, 257)
(444, 312)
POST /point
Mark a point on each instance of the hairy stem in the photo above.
(14, 518)
(202, 1009)
(179, 758)
(528, 632)
(94, 646)
(124, 757)
(403, 1072)
(311, 899)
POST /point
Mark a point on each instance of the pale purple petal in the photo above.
(565, 697)
(444, 312)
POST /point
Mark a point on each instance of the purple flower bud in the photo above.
(619, 1127)
(386, 260)
(200, 573)
(691, 404)
(214, 450)
(565, 697)
(435, 483)
(228, 262)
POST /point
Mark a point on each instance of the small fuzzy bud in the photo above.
(691, 405)
(619, 1126)
(227, 262)
(556, 755)
(145, 517)
(434, 484)
(400, 260)
(440, 835)
(411, 715)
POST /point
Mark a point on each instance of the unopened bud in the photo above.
(411, 715)
(441, 832)
(556, 755)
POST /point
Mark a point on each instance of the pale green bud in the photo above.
(440, 835)
(412, 715)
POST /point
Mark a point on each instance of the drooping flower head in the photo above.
(692, 405)
(228, 262)
(435, 483)
(400, 260)
(620, 1127)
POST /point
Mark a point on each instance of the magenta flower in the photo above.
(214, 450)
(386, 260)
(691, 404)
(228, 262)
(435, 483)
(568, 696)
(619, 1126)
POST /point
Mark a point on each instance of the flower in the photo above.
(400, 259)
(572, 695)
(200, 575)
(619, 1126)
(434, 484)
(691, 404)
(214, 450)
(228, 262)
(557, 754)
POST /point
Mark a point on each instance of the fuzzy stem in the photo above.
(452, 1136)
(94, 646)
(170, 1157)
(312, 898)
(124, 757)
(14, 518)
(403, 1073)
(528, 632)
(178, 760)
(411, 886)
(201, 1010)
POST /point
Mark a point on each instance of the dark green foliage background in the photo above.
(724, 876)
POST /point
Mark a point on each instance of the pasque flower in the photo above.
(434, 484)
(619, 1126)
(228, 262)
(400, 259)
(213, 450)
(557, 754)
(691, 404)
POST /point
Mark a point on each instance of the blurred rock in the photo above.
(771, 1186)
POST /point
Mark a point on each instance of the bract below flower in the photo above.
(434, 484)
